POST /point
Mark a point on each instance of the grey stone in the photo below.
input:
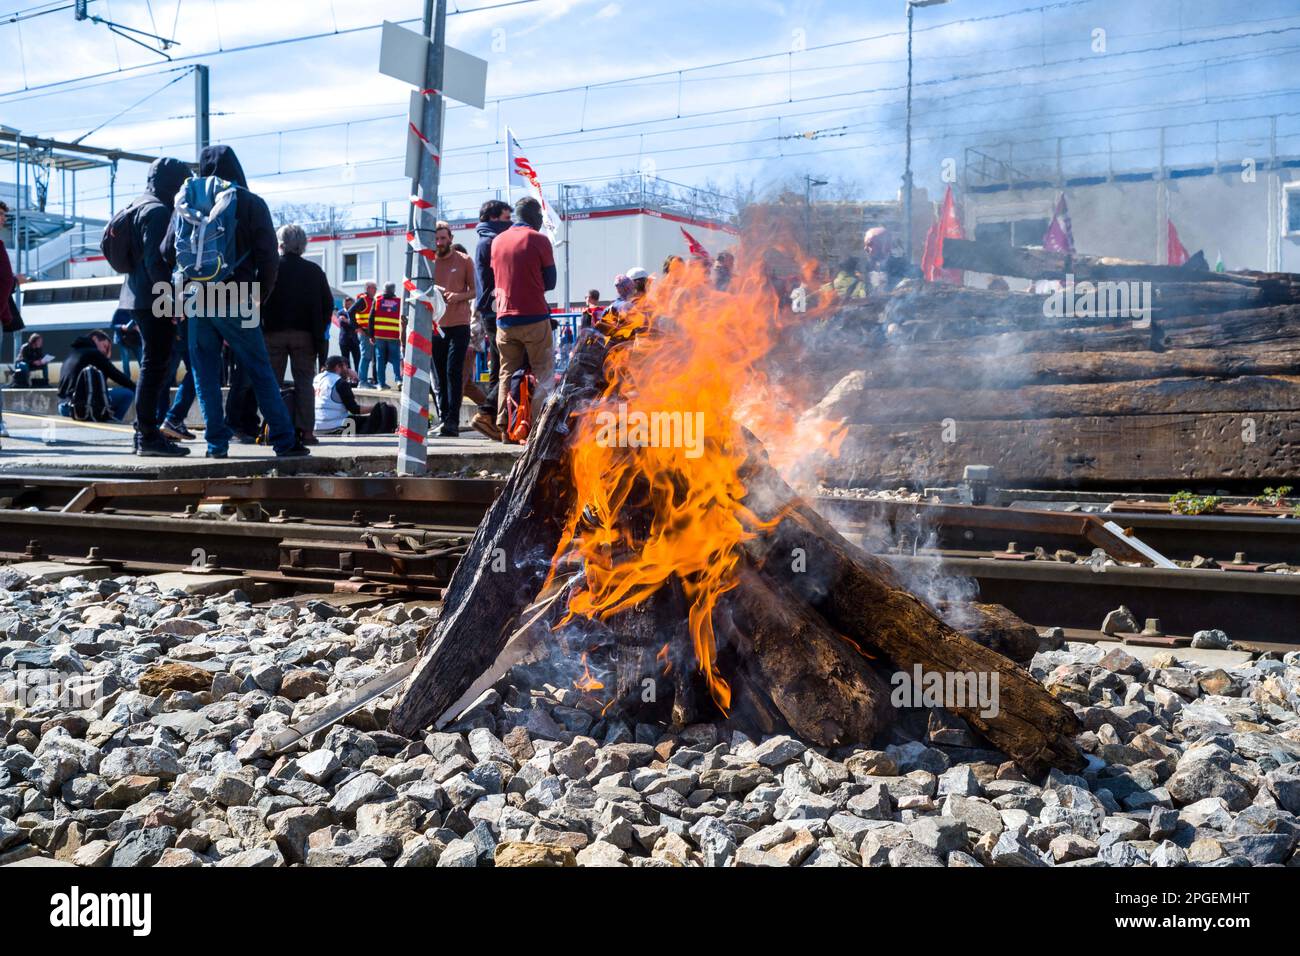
(1009, 850)
(776, 751)
(143, 847)
(360, 789)
(1213, 639)
(139, 762)
(939, 834)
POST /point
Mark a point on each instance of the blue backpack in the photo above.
(205, 227)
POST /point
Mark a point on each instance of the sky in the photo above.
(707, 93)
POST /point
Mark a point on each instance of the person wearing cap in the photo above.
(640, 282)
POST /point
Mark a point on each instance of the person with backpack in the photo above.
(84, 392)
(523, 265)
(386, 330)
(295, 321)
(223, 246)
(337, 409)
(359, 313)
(493, 219)
(132, 244)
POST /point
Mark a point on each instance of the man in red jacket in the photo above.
(8, 282)
(524, 265)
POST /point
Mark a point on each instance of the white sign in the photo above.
(403, 54)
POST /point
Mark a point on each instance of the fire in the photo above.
(588, 682)
(649, 509)
(662, 657)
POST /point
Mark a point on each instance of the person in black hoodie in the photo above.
(92, 351)
(258, 261)
(157, 327)
(493, 219)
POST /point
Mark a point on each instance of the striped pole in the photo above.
(423, 304)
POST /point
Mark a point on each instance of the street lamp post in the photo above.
(808, 183)
(907, 168)
(568, 288)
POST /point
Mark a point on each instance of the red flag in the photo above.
(693, 244)
(1177, 253)
(1059, 236)
(947, 226)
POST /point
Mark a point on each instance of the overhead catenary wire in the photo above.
(543, 141)
(221, 50)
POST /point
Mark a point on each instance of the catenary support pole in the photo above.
(422, 307)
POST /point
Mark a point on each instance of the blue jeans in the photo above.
(180, 408)
(367, 359)
(249, 347)
(388, 354)
(119, 400)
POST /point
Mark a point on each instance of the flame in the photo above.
(663, 658)
(663, 503)
(588, 682)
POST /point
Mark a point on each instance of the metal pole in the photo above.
(412, 454)
(18, 203)
(907, 169)
(201, 137)
(568, 287)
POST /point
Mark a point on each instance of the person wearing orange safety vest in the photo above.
(359, 313)
(386, 327)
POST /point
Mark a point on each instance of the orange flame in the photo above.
(588, 682)
(655, 462)
(662, 657)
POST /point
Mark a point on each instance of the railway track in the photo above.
(387, 536)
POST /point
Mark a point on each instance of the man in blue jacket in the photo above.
(493, 219)
(258, 254)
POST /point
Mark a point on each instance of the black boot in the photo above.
(159, 447)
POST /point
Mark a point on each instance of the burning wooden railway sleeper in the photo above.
(731, 600)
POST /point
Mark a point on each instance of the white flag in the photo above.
(520, 174)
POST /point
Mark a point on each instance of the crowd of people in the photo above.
(285, 386)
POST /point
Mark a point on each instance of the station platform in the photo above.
(53, 445)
